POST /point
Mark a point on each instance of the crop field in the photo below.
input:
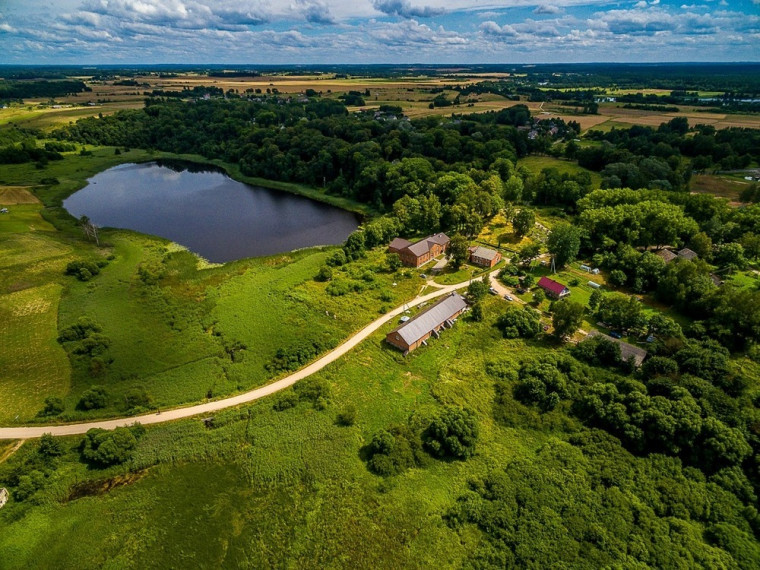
(33, 364)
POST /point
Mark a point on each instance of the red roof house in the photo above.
(552, 288)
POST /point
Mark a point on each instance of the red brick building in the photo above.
(484, 257)
(418, 253)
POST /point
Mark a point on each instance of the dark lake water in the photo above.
(208, 212)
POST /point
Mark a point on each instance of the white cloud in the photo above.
(547, 9)
(405, 9)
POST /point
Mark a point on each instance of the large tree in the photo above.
(523, 221)
(563, 243)
(567, 317)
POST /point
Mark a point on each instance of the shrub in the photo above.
(136, 399)
(53, 407)
(347, 416)
(95, 398)
(325, 273)
(336, 259)
(394, 450)
(104, 448)
(519, 322)
(50, 446)
(285, 402)
(82, 270)
(452, 434)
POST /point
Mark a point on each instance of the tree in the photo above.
(751, 244)
(523, 222)
(453, 433)
(95, 398)
(620, 312)
(730, 257)
(564, 243)
(595, 299)
(105, 448)
(393, 261)
(519, 322)
(50, 446)
(458, 250)
(617, 277)
(354, 247)
(478, 289)
(529, 252)
(89, 229)
(53, 407)
(538, 296)
(567, 317)
(702, 245)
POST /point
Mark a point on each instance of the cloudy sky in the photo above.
(377, 31)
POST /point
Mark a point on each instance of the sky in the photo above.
(376, 31)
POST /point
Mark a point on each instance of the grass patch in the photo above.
(537, 163)
(33, 364)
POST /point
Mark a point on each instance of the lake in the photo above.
(208, 212)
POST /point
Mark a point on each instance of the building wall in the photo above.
(401, 344)
(483, 262)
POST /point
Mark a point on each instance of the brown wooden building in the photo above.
(414, 332)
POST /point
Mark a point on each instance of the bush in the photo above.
(347, 416)
(50, 446)
(285, 402)
(106, 448)
(394, 450)
(136, 399)
(617, 278)
(53, 407)
(82, 270)
(336, 259)
(519, 322)
(325, 274)
(452, 434)
(95, 398)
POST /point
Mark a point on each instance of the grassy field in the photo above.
(33, 364)
(286, 489)
(537, 163)
(717, 185)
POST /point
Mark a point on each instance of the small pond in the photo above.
(207, 211)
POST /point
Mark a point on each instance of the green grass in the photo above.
(286, 489)
(33, 364)
(537, 163)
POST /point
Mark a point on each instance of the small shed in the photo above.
(594, 285)
(688, 254)
(666, 255)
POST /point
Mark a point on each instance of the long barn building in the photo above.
(430, 322)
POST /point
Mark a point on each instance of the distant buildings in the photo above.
(414, 332)
(484, 257)
(552, 288)
(418, 253)
(685, 253)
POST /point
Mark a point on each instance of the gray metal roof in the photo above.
(432, 317)
(626, 350)
(484, 253)
(399, 243)
(687, 254)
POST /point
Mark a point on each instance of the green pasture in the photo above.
(33, 366)
(537, 163)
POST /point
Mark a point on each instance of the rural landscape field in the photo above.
(379, 314)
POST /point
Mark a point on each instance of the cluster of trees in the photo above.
(17, 90)
(452, 433)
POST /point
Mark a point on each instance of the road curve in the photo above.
(31, 432)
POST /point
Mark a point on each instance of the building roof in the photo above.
(687, 254)
(414, 329)
(551, 285)
(666, 255)
(627, 351)
(399, 243)
(484, 253)
(439, 238)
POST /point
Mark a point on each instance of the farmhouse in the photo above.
(687, 254)
(415, 254)
(667, 255)
(628, 352)
(484, 257)
(414, 332)
(552, 288)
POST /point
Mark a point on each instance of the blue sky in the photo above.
(377, 31)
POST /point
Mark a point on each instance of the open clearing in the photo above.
(33, 364)
(12, 195)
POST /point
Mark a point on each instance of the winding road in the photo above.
(30, 432)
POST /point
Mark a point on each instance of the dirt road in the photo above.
(210, 407)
